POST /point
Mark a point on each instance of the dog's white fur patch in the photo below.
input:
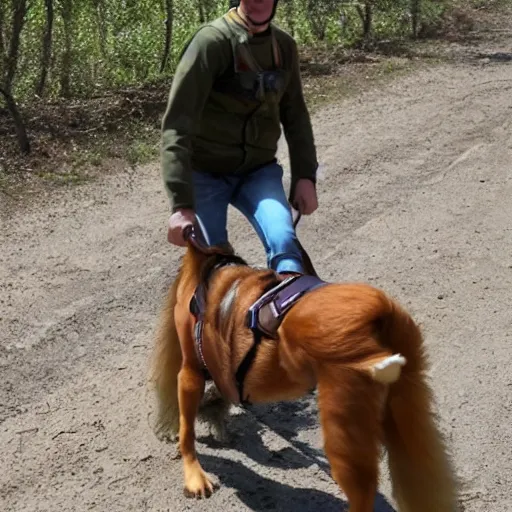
(227, 301)
(388, 370)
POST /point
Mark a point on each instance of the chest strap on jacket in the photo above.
(232, 17)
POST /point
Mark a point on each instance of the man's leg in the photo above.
(213, 195)
(262, 199)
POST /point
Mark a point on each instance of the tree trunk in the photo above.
(47, 48)
(366, 17)
(21, 132)
(65, 71)
(288, 6)
(99, 12)
(168, 35)
(2, 44)
(200, 8)
(317, 18)
(415, 15)
(11, 60)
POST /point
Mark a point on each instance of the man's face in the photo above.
(258, 11)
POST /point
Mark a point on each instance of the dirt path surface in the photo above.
(416, 197)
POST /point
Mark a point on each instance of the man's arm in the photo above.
(297, 128)
(205, 58)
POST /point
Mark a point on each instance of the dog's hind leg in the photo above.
(190, 390)
(350, 406)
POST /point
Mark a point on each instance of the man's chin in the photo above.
(259, 21)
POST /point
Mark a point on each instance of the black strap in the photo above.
(246, 364)
(297, 220)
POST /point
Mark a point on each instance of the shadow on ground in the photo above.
(260, 493)
(265, 494)
(284, 420)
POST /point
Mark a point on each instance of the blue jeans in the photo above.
(261, 198)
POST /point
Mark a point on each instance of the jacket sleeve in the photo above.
(205, 57)
(297, 127)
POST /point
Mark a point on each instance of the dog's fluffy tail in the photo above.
(165, 366)
(369, 332)
(421, 470)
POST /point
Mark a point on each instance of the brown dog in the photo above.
(357, 346)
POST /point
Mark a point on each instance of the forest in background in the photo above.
(74, 68)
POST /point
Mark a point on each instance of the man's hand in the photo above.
(305, 199)
(177, 222)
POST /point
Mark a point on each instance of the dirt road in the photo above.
(416, 197)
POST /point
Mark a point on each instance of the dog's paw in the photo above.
(198, 485)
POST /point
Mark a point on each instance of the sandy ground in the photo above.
(415, 197)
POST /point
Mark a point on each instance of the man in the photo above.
(237, 80)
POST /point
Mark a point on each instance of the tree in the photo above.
(9, 56)
(47, 48)
(168, 34)
(318, 12)
(415, 14)
(66, 12)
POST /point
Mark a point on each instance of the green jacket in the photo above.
(213, 124)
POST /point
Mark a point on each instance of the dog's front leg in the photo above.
(190, 390)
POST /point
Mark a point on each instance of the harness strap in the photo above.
(197, 308)
(245, 366)
(232, 17)
(267, 313)
(263, 317)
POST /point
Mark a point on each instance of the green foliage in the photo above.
(112, 44)
(391, 19)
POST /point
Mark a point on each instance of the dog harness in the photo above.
(264, 317)
(198, 306)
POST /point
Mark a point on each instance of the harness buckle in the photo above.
(267, 313)
(264, 313)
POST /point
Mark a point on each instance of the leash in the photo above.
(193, 233)
(296, 217)
(310, 269)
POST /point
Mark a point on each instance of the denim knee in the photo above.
(283, 254)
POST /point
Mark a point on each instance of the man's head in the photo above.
(259, 13)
